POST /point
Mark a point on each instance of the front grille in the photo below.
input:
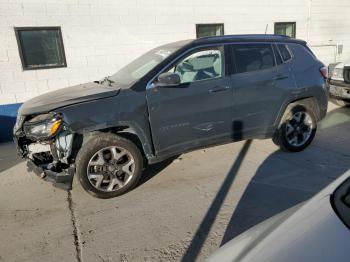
(347, 74)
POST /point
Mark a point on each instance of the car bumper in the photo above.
(339, 89)
(62, 180)
(50, 171)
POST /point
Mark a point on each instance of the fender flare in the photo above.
(310, 103)
(125, 126)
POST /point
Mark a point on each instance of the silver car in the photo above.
(317, 230)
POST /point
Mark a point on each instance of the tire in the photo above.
(294, 136)
(340, 102)
(108, 165)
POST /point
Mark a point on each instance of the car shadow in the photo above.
(207, 222)
(152, 170)
(280, 181)
(8, 156)
(276, 185)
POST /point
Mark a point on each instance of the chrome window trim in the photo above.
(150, 82)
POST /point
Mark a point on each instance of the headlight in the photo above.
(43, 126)
(337, 73)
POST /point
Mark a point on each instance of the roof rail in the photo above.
(247, 36)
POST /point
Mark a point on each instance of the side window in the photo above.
(277, 55)
(284, 51)
(200, 65)
(253, 57)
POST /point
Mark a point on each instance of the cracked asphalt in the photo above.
(183, 209)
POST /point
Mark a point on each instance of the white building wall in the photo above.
(101, 36)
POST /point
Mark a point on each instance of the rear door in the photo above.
(261, 83)
(199, 110)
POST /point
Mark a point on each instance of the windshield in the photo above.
(142, 65)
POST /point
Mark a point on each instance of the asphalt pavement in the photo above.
(183, 208)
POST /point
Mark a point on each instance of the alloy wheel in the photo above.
(111, 168)
(299, 129)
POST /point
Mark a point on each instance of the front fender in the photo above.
(127, 112)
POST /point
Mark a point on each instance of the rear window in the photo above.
(284, 51)
(253, 57)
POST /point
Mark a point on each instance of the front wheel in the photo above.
(108, 165)
(297, 130)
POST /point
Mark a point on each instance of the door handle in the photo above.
(219, 89)
(279, 77)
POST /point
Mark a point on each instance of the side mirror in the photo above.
(168, 79)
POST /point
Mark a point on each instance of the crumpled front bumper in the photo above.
(62, 180)
(52, 170)
(339, 89)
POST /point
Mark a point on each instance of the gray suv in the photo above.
(175, 98)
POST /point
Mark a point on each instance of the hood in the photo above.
(310, 231)
(67, 96)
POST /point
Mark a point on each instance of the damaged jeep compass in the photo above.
(173, 99)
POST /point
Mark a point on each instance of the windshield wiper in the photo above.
(104, 80)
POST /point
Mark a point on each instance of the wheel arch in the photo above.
(309, 103)
(100, 141)
(129, 131)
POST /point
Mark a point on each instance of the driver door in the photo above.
(198, 111)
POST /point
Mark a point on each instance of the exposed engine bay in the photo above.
(49, 155)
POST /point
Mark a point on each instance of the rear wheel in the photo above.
(109, 165)
(297, 130)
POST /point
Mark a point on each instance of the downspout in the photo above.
(308, 24)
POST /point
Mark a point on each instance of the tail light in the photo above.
(324, 72)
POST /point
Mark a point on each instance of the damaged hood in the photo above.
(67, 96)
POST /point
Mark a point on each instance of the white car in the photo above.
(317, 230)
(339, 83)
